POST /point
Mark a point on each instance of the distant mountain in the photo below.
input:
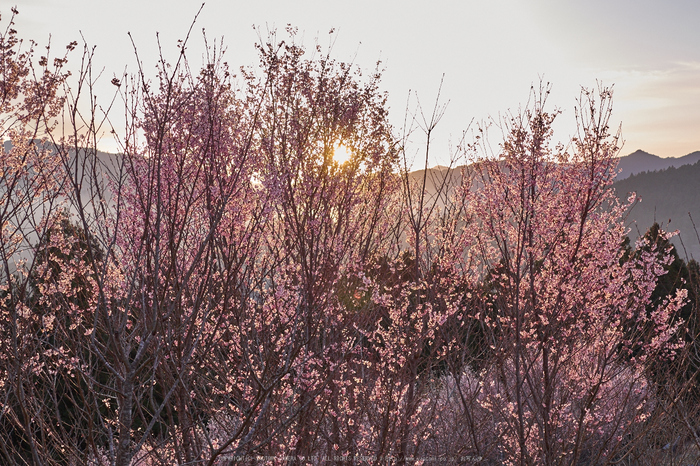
(637, 162)
(438, 178)
(669, 189)
(667, 196)
(640, 161)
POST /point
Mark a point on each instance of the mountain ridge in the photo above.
(641, 161)
(670, 197)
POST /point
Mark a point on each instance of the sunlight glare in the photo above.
(341, 154)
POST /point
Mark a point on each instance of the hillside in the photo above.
(668, 188)
(640, 161)
(667, 196)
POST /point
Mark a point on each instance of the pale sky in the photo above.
(490, 52)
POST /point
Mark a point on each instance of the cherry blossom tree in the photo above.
(567, 380)
(30, 208)
(225, 289)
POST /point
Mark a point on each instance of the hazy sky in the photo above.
(490, 51)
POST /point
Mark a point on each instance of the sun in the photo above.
(341, 154)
